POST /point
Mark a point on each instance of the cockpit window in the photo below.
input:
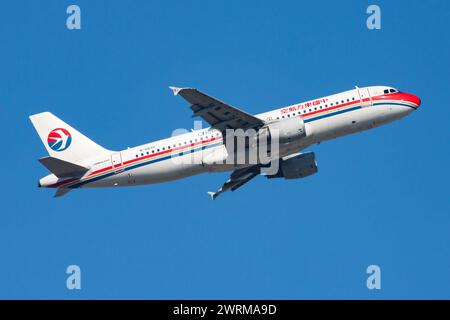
(387, 91)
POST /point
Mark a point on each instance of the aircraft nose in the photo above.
(413, 99)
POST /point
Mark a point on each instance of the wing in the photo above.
(218, 114)
(237, 179)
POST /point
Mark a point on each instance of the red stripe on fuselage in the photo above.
(399, 96)
(138, 159)
(334, 107)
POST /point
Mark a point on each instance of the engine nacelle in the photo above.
(296, 166)
(287, 130)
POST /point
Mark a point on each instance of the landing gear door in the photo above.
(365, 97)
(116, 162)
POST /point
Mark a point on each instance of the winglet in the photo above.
(175, 90)
(213, 195)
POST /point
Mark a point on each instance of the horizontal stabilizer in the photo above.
(63, 169)
(61, 191)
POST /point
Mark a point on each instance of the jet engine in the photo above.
(287, 130)
(296, 166)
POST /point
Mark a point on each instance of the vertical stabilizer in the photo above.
(62, 141)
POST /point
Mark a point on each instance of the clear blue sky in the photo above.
(380, 197)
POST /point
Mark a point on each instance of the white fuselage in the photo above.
(170, 159)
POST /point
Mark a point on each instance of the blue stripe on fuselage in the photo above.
(395, 104)
(81, 183)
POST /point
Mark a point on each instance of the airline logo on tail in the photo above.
(59, 139)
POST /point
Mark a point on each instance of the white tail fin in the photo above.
(62, 141)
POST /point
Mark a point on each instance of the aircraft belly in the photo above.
(164, 171)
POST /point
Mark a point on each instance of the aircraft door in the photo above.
(365, 97)
(116, 162)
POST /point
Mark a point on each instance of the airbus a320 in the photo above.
(76, 162)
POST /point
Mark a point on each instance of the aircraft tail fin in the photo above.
(62, 141)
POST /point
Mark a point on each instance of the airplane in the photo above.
(75, 161)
